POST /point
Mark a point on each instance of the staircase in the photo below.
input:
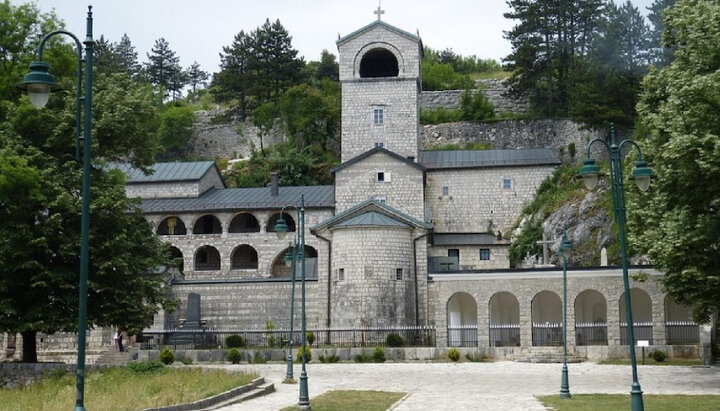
(546, 355)
(116, 357)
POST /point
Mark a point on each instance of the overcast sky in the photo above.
(197, 30)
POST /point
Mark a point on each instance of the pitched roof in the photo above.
(445, 239)
(243, 199)
(374, 206)
(372, 219)
(443, 159)
(165, 172)
(375, 150)
(373, 25)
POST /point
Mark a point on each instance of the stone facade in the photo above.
(495, 91)
(470, 256)
(175, 189)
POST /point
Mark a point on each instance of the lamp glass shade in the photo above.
(39, 94)
(589, 173)
(281, 228)
(642, 174)
(288, 259)
(38, 83)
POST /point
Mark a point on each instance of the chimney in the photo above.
(274, 184)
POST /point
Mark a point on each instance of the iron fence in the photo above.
(547, 334)
(642, 330)
(504, 335)
(421, 336)
(682, 332)
(463, 336)
(591, 333)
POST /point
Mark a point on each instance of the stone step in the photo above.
(258, 391)
(116, 357)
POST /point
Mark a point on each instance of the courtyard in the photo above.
(488, 386)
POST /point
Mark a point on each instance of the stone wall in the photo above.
(495, 91)
(175, 189)
(470, 256)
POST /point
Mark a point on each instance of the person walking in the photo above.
(116, 335)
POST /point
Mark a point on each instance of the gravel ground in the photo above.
(492, 386)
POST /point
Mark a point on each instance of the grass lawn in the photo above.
(353, 400)
(612, 402)
(650, 361)
(123, 389)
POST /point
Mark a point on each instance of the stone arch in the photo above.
(270, 227)
(279, 269)
(680, 328)
(381, 47)
(590, 318)
(244, 223)
(244, 257)
(207, 224)
(177, 256)
(462, 320)
(171, 225)
(207, 258)
(641, 313)
(546, 308)
(379, 62)
(504, 320)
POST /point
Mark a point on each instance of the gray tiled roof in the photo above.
(465, 239)
(163, 172)
(243, 199)
(372, 151)
(441, 159)
(374, 205)
(373, 24)
(372, 218)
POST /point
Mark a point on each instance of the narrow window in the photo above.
(378, 116)
(341, 274)
(507, 184)
(379, 145)
(381, 176)
(380, 199)
(446, 190)
(399, 274)
(484, 254)
(454, 252)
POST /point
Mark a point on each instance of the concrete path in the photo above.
(502, 386)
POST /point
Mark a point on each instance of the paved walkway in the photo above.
(503, 386)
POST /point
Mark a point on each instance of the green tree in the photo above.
(195, 76)
(442, 76)
(163, 67)
(662, 54)
(232, 82)
(678, 220)
(474, 106)
(176, 130)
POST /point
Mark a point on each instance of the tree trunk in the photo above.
(29, 346)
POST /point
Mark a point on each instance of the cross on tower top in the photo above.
(379, 11)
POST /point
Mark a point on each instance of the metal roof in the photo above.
(466, 239)
(373, 24)
(164, 172)
(372, 218)
(371, 205)
(372, 151)
(243, 199)
(441, 159)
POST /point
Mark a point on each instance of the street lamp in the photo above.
(289, 259)
(39, 83)
(281, 230)
(565, 247)
(641, 174)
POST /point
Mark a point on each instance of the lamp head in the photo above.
(565, 245)
(288, 258)
(281, 228)
(38, 83)
(642, 175)
(590, 173)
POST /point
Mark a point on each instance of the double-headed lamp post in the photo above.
(641, 174)
(281, 229)
(563, 251)
(39, 83)
(290, 258)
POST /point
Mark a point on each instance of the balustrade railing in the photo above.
(462, 336)
(547, 334)
(504, 335)
(682, 333)
(642, 331)
(591, 333)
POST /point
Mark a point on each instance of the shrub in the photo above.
(394, 340)
(234, 356)
(378, 354)
(310, 337)
(145, 366)
(167, 356)
(454, 354)
(474, 106)
(187, 361)
(476, 357)
(658, 355)
(235, 341)
(362, 357)
(330, 359)
(308, 354)
(258, 359)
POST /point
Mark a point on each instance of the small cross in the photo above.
(545, 242)
(379, 11)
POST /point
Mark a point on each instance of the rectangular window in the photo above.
(446, 190)
(341, 274)
(507, 184)
(380, 176)
(454, 252)
(379, 145)
(484, 254)
(378, 116)
(380, 199)
(399, 274)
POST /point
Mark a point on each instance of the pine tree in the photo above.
(127, 57)
(195, 76)
(163, 68)
(662, 54)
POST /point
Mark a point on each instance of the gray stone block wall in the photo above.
(358, 182)
(162, 189)
(495, 91)
(477, 197)
(470, 256)
(406, 50)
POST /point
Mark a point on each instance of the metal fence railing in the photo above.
(323, 338)
(504, 335)
(682, 333)
(547, 334)
(463, 336)
(642, 331)
(591, 333)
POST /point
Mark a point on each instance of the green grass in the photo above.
(611, 402)
(353, 400)
(500, 75)
(650, 361)
(123, 389)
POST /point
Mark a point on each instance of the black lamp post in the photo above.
(641, 174)
(563, 251)
(39, 83)
(281, 229)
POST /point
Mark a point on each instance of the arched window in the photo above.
(546, 319)
(462, 320)
(641, 313)
(244, 223)
(171, 226)
(590, 318)
(273, 220)
(379, 62)
(279, 269)
(504, 320)
(244, 257)
(177, 256)
(679, 325)
(207, 258)
(207, 224)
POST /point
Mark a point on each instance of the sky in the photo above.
(197, 30)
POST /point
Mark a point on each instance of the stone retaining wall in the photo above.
(495, 91)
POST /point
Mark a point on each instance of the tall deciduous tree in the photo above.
(678, 220)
